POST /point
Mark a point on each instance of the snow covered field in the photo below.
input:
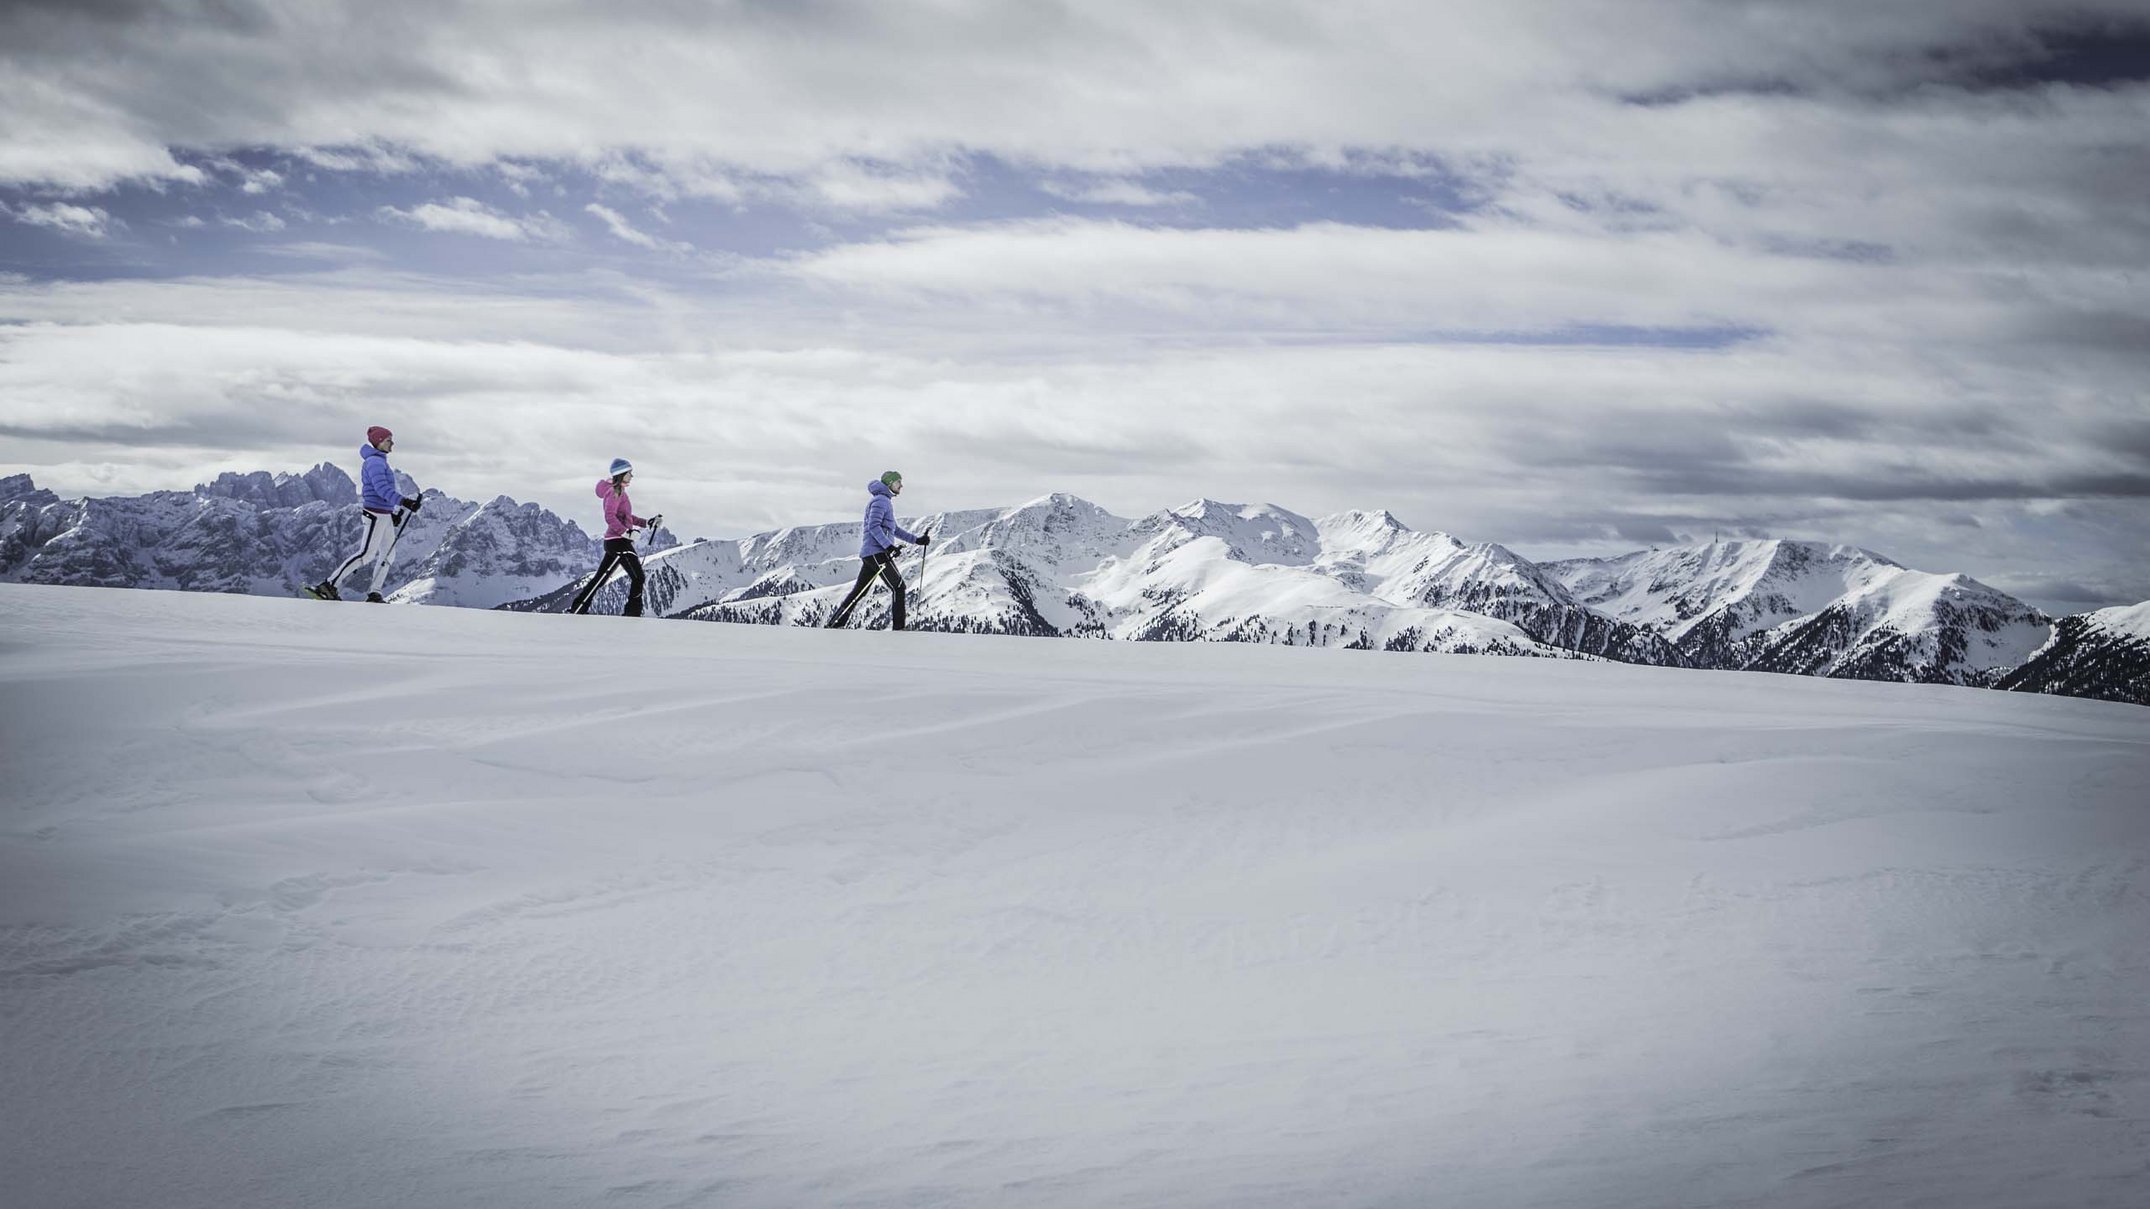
(317, 905)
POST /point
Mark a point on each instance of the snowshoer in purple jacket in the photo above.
(385, 510)
(877, 550)
(620, 523)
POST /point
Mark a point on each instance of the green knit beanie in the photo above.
(891, 478)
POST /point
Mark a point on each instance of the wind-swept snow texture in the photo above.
(307, 905)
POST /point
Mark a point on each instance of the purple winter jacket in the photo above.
(376, 482)
(881, 529)
(619, 513)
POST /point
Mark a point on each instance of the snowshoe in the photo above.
(322, 591)
(374, 598)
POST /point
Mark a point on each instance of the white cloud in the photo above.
(369, 155)
(1119, 193)
(468, 216)
(673, 179)
(356, 299)
(88, 221)
(330, 253)
(260, 221)
(252, 181)
(519, 177)
(1330, 277)
(852, 186)
(622, 229)
(838, 183)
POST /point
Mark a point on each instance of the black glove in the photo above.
(411, 503)
(926, 538)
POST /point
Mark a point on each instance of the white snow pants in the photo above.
(382, 530)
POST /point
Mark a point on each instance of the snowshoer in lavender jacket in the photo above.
(385, 509)
(620, 523)
(877, 550)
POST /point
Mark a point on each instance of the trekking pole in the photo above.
(651, 536)
(924, 548)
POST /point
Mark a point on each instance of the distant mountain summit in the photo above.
(2100, 654)
(1251, 533)
(1377, 553)
(17, 488)
(1812, 609)
(324, 484)
(1061, 566)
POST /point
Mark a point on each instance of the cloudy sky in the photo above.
(1573, 276)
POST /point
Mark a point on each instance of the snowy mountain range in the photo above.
(265, 534)
(1813, 609)
(1205, 571)
(1062, 566)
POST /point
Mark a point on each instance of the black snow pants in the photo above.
(619, 552)
(883, 565)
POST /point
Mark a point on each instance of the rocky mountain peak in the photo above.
(19, 487)
(325, 483)
(1254, 533)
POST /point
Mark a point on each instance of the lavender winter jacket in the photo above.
(881, 528)
(619, 512)
(376, 482)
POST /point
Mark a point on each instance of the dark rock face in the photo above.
(1555, 621)
(18, 488)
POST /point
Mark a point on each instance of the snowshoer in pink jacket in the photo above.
(620, 522)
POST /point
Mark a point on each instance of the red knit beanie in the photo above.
(377, 434)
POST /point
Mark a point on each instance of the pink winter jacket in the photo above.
(619, 514)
